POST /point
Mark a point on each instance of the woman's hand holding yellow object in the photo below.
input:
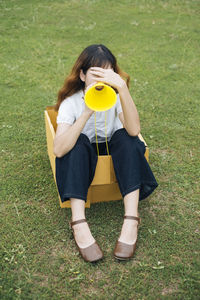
(109, 77)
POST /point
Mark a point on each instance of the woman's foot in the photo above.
(82, 235)
(126, 244)
(87, 246)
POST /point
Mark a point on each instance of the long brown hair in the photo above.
(92, 56)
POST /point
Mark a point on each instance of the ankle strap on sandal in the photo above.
(77, 222)
(133, 218)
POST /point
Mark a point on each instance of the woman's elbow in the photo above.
(134, 132)
(57, 152)
(59, 155)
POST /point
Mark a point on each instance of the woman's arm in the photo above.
(67, 135)
(130, 117)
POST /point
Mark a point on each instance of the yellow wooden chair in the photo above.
(104, 186)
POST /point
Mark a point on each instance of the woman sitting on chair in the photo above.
(76, 153)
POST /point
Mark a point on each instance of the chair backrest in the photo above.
(52, 115)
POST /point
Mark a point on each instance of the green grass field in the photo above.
(157, 43)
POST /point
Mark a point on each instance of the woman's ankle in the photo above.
(77, 209)
(77, 218)
(83, 235)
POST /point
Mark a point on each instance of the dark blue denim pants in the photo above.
(75, 170)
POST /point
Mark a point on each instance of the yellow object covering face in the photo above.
(100, 97)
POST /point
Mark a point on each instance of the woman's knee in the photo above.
(123, 140)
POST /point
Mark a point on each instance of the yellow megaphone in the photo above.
(100, 97)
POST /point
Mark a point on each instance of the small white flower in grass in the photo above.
(18, 291)
(90, 27)
(159, 267)
(6, 258)
(6, 126)
(152, 231)
(134, 23)
(173, 66)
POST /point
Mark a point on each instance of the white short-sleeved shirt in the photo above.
(72, 107)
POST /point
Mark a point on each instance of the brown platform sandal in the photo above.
(125, 251)
(91, 253)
